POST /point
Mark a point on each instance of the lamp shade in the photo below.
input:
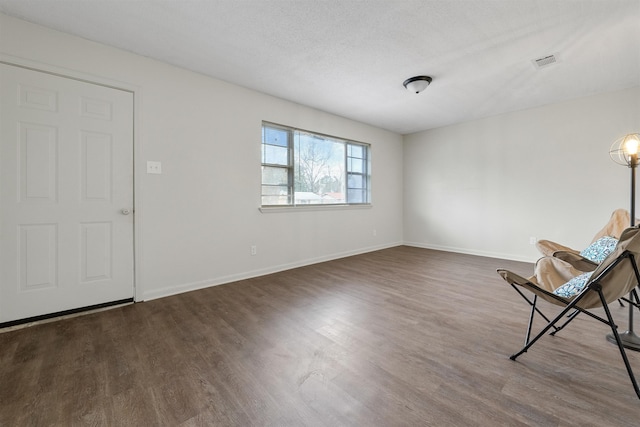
(624, 151)
(417, 84)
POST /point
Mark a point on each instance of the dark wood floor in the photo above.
(398, 337)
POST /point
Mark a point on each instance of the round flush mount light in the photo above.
(417, 84)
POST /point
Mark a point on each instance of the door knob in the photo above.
(125, 211)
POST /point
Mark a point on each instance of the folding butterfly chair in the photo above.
(560, 283)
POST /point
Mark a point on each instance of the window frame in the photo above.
(289, 167)
(292, 132)
(365, 175)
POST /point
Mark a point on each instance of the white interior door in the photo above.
(66, 194)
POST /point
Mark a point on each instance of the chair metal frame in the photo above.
(592, 286)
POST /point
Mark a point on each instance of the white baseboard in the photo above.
(498, 255)
(187, 287)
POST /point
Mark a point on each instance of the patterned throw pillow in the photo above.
(573, 286)
(600, 249)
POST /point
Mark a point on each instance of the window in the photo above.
(304, 168)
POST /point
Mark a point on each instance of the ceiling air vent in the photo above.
(545, 61)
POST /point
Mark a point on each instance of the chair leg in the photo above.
(530, 324)
(546, 328)
(634, 295)
(614, 329)
(533, 306)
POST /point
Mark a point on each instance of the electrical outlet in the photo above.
(254, 250)
(375, 232)
(154, 167)
(532, 240)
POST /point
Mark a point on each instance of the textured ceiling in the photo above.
(350, 57)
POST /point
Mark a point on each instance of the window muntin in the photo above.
(305, 168)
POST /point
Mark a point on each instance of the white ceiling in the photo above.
(350, 57)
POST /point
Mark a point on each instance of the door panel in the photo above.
(37, 249)
(38, 166)
(66, 174)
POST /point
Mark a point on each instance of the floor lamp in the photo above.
(624, 151)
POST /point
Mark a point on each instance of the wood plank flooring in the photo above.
(398, 337)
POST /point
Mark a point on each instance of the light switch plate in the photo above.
(154, 167)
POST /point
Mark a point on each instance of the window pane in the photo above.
(307, 198)
(356, 196)
(275, 195)
(274, 190)
(318, 169)
(356, 151)
(275, 200)
(275, 136)
(275, 155)
(275, 176)
(355, 165)
(355, 181)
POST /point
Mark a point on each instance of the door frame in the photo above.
(137, 149)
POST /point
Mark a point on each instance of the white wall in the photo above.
(196, 222)
(482, 187)
(485, 187)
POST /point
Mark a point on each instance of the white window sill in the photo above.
(309, 208)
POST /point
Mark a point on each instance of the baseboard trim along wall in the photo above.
(496, 255)
(187, 287)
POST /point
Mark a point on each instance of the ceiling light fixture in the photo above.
(417, 84)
